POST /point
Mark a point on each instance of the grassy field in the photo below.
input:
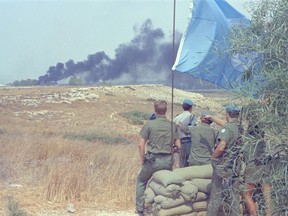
(62, 145)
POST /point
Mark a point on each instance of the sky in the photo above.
(37, 34)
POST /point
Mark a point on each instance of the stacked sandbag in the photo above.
(191, 172)
(183, 191)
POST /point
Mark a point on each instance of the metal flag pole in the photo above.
(172, 75)
(173, 59)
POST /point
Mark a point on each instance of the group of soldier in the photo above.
(200, 143)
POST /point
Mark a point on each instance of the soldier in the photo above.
(186, 118)
(203, 138)
(156, 136)
(257, 170)
(224, 162)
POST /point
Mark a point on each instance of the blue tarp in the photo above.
(203, 47)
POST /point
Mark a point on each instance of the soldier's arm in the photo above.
(219, 150)
(215, 119)
(178, 144)
(141, 148)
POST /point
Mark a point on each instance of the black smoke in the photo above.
(147, 58)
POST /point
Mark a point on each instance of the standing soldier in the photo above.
(225, 163)
(203, 138)
(156, 134)
(186, 118)
(258, 170)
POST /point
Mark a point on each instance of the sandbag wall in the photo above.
(183, 191)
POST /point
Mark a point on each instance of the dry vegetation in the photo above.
(62, 145)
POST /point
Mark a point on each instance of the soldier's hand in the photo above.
(175, 149)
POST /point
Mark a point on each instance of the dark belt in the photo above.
(159, 154)
(185, 140)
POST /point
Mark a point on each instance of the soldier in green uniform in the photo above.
(224, 162)
(257, 169)
(203, 138)
(157, 138)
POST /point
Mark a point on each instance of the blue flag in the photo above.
(203, 50)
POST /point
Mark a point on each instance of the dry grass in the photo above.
(42, 169)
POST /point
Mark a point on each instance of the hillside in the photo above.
(43, 169)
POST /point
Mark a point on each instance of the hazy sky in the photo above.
(38, 34)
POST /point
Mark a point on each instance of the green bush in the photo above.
(93, 136)
(136, 117)
(266, 82)
(13, 208)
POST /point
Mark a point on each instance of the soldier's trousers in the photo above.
(155, 163)
(219, 196)
(185, 151)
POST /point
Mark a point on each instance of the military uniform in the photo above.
(203, 139)
(186, 118)
(256, 171)
(224, 178)
(159, 153)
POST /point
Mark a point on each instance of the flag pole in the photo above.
(172, 75)
(173, 57)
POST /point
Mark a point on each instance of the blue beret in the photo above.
(188, 101)
(232, 108)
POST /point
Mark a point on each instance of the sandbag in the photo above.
(202, 213)
(166, 177)
(200, 206)
(166, 202)
(188, 173)
(190, 214)
(179, 210)
(172, 190)
(188, 190)
(149, 195)
(200, 197)
(203, 185)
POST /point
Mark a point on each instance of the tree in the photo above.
(75, 81)
(266, 83)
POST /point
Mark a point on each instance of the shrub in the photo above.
(136, 117)
(13, 208)
(266, 82)
(92, 137)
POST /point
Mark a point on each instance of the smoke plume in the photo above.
(147, 58)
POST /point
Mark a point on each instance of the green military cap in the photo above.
(232, 108)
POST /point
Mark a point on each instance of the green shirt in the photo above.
(203, 139)
(158, 134)
(229, 133)
(254, 144)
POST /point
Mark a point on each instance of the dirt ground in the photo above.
(53, 110)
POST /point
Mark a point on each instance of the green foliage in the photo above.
(75, 81)
(136, 117)
(267, 36)
(151, 99)
(27, 82)
(267, 83)
(109, 94)
(93, 137)
(13, 208)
